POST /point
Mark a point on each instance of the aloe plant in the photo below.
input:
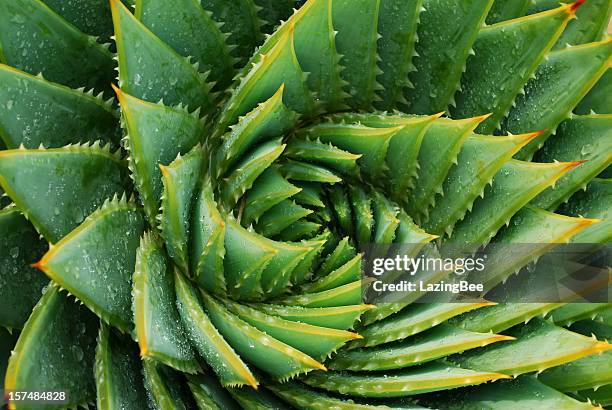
(189, 185)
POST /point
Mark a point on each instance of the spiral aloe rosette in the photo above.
(262, 148)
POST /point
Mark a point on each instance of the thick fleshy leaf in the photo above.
(397, 26)
(156, 134)
(593, 203)
(118, 372)
(92, 17)
(440, 341)
(240, 21)
(224, 361)
(502, 316)
(445, 41)
(514, 185)
(591, 22)
(587, 138)
(599, 98)
(166, 388)
(242, 177)
(302, 397)
(95, 261)
(276, 67)
(158, 327)
(507, 10)
(413, 319)
(559, 87)
(357, 24)
(150, 70)
(20, 284)
(35, 39)
(267, 353)
(349, 294)
(192, 32)
(209, 394)
(492, 79)
(270, 119)
(7, 345)
(478, 161)
(180, 181)
(301, 171)
(279, 217)
(57, 188)
(59, 338)
(587, 373)
(439, 150)
(538, 346)
(573, 312)
(341, 317)
(531, 225)
(51, 114)
(523, 393)
(206, 243)
(424, 379)
(317, 342)
(269, 189)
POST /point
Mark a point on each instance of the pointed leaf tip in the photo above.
(575, 5)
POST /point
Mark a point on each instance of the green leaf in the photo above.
(591, 22)
(57, 188)
(7, 345)
(166, 388)
(342, 253)
(150, 70)
(507, 10)
(514, 185)
(240, 21)
(180, 181)
(157, 322)
(385, 219)
(266, 353)
(209, 394)
(593, 203)
(531, 225)
(587, 138)
(587, 373)
(413, 319)
(371, 143)
(242, 177)
(317, 342)
(279, 217)
(523, 393)
(443, 37)
(478, 161)
(349, 294)
(601, 396)
(439, 150)
(363, 216)
(424, 379)
(356, 22)
(20, 284)
(440, 341)
(599, 98)
(341, 317)
(278, 67)
(538, 346)
(573, 312)
(269, 119)
(300, 171)
(51, 114)
(156, 134)
(206, 243)
(303, 398)
(261, 399)
(558, 86)
(502, 316)
(397, 26)
(224, 361)
(324, 154)
(48, 44)
(192, 32)
(118, 372)
(268, 190)
(492, 79)
(92, 17)
(95, 261)
(59, 337)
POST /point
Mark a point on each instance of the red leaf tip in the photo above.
(574, 6)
